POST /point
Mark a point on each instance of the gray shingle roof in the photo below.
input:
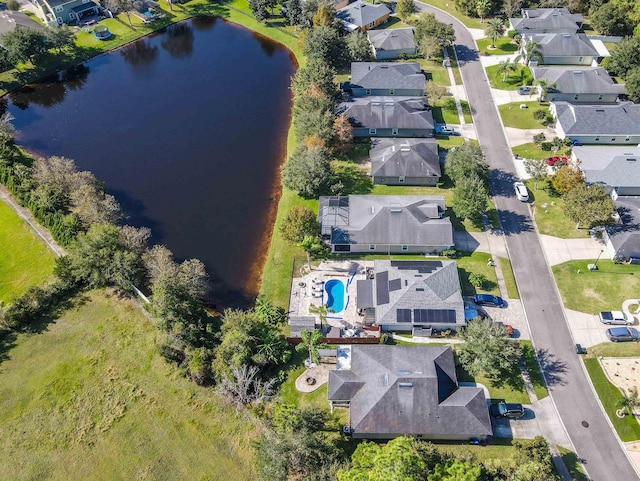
(587, 80)
(9, 21)
(617, 119)
(546, 18)
(611, 165)
(625, 236)
(387, 75)
(301, 323)
(405, 157)
(564, 45)
(362, 13)
(410, 390)
(387, 219)
(392, 39)
(388, 112)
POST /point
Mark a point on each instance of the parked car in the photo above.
(444, 130)
(620, 334)
(559, 161)
(489, 300)
(526, 90)
(521, 191)
(506, 410)
(615, 317)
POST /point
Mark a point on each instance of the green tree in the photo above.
(429, 48)
(632, 84)
(259, 9)
(477, 279)
(543, 88)
(466, 161)
(435, 91)
(537, 169)
(343, 134)
(324, 16)
(506, 66)
(313, 115)
(625, 56)
(428, 26)
(307, 171)
(512, 7)
(405, 8)
(13, 5)
(539, 139)
(470, 199)
(60, 37)
(483, 8)
(322, 311)
(566, 179)
(487, 349)
(298, 223)
(315, 72)
(613, 18)
(455, 470)
(326, 45)
(120, 6)
(529, 50)
(312, 245)
(294, 12)
(310, 343)
(589, 205)
(494, 30)
(24, 44)
(629, 401)
(358, 47)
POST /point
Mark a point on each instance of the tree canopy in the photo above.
(589, 205)
(298, 223)
(428, 26)
(470, 199)
(307, 171)
(625, 56)
(465, 161)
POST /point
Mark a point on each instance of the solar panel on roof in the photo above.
(423, 267)
(403, 315)
(382, 288)
(395, 284)
(434, 316)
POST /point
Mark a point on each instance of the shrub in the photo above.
(540, 114)
(546, 146)
(477, 280)
(538, 139)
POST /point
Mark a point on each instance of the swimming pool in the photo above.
(335, 295)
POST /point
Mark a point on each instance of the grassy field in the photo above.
(615, 349)
(513, 81)
(91, 398)
(509, 278)
(516, 117)
(446, 112)
(532, 151)
(512, 390)
(573, 465)
(627, 427)
(25, 260)
(504, 46)
(533, 368)
(549, 214)
(500, 448)
(600, 290)
(448, 6)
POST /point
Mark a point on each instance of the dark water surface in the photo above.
(187, 128)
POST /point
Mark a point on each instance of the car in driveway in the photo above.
(621, 334)
(521, 191)
(615, 317)
(524, 90)
(444, 130)
(506, 410)
(489, 300)
(508, 327)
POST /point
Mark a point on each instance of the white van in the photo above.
(521, 191)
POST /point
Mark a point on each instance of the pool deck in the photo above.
(305, 291)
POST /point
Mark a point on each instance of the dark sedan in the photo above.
(489, 300)
(620, 334)
(506, 410)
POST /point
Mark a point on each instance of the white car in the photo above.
(521, 191)
(615, 317)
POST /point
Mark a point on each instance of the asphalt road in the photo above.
(576, 403)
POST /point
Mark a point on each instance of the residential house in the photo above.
(546, 20)
(397, 224)
(414, 296)
(405, 162)
(597, 124)
(406, 390)
(615, 168)
(389, 116)
(562, 49)
(363, 16)
(587, 84)
(623, 239)
(391, 44)
(386, 78)
(57, 12)
(10, 21)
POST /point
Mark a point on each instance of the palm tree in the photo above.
(494, 30)
(311, 244)
(322, 311)
(506, 66)
(311, 343)
(530, 50)
(543, 88)
(629, 401)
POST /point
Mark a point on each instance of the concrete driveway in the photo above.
(586, 329)
(525, 136)
(559, 250)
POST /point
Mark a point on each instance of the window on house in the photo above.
(394, 131)
(59, 8)
(613, 139)
(368, 92)
(372, 247)
(599, 97)
(372, 131)
(575, 98)
(597, 139)
(372, 24)
(405, 248)
(401, 179)
(392, 92)
(627, 139)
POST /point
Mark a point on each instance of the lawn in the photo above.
(434, 70)
(615, 349)
(627, 428)
(518, 78)
(596, 291)
(476, 262)
(454, 65)
(448, 6)
(533, 368)
(91, 398)
(25, 260)
(570, 460)
(504, 46)
(509, 278)
(548, 212)
(532, 151)
(446, 112)
(519, 118)
(512, 390)
(500, 448)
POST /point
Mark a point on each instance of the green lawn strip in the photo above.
(91, 394)
(492, 214)
(627, 427)
(601, 290)
(434, 70)
(570, 460)
(393, 22)
(25, 260)
(446, 112)
(476, 262)
(454, 66)
(615, 349)
(509, 279)
(500, 449)
(449, 7)
(513, 81)
(533, 368)
(504, 46)
(549, 214)
(516, 117)
(532, 151)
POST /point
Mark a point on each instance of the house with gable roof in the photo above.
(391, 43)
(546, 20)
(10, 21)
(385, 223)
(562, 49)
(579, 84)
(623, 238)
(58, 12)
(386, 78)
(393, 391)
(405, 161)
(615, 168)
(363, 16)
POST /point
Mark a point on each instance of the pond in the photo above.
(187, 128)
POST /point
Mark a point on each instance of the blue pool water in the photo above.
(335, 295)
(147, 13)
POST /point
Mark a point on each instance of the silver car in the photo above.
(521, 191)
(615, 317)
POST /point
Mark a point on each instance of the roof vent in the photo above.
(405, 148)
(577, 72)
(403, 372)
(384, 66)
(599, 110)
(386, 379)
(389, 104)
(419, 289)
(375, 103)
(395, 208)
(405, 384)
(566, 35)
(631, 159)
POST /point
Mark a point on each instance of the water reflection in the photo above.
(203, 23)
(51, 90)
(140, 53)
(178, 40)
